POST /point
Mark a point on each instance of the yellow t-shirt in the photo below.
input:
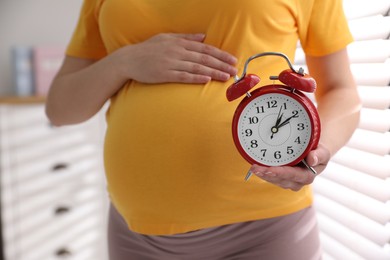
(170, 160)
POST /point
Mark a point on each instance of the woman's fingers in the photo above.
(208, 68)
(182, 58)
(203, 59)
(195, 44)
(286, 177)
(295, 177)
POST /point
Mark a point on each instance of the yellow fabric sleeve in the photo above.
(86, 41)
(327, 28)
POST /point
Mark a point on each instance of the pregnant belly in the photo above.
(168, 127)
(169, 147)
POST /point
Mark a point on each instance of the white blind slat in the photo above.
(371, 74)
(372, 51)
(299, 56)
(356, 180)
(370, 141)
(352, 240)
(336, 251)
(370, 28)
(375, 97)
(375, 120)
(364, 205)
(374, 231)
(361, 8)
(369, 163)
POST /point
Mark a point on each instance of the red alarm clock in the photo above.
(277, 124)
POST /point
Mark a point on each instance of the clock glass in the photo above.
(273, 129)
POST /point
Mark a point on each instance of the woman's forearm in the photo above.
(338, 100)
(81, 88)
(339, 121)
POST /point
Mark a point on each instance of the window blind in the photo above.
(352, 196)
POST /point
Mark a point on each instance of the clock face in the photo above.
(273, 129)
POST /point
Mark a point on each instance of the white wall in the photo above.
(31, 23)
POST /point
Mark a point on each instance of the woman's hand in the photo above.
(294, 178)
(178, 58)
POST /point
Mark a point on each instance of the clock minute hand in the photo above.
(285, 122)
(279, 118)
(274, 129)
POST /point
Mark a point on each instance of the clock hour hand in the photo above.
(275, 128)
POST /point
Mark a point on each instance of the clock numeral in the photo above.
(298, 140)
(254, 144)
(272, 104)
(263, 151)
(253, 120)
(278, 155)
(301, 126)
(295, 114)
(248, 132)
(260, 110)
(290, 150)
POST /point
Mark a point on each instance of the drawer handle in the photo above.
(63, 252)
(61, 210)
(59, 167)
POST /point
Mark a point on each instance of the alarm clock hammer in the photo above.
(276, 124)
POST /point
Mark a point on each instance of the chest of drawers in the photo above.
(53, 196)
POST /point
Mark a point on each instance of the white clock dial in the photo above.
(274, 129)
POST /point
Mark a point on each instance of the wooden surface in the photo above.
(22, 100)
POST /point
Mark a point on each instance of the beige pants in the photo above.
(291, 237)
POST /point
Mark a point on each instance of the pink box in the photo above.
(46, 63)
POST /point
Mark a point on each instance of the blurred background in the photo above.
(53, 196)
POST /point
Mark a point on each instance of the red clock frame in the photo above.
(292, 93)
